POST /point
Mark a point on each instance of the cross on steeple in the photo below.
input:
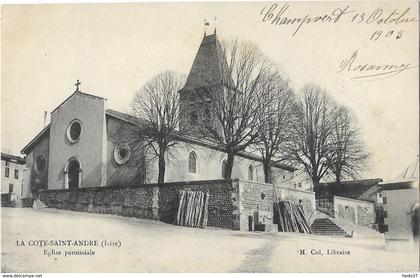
(77, 85)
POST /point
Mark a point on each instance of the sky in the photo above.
(113, 49)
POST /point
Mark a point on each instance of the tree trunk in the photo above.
(161, 174)
(268, 177)
(229, 165)
(315, 183)
(338, 182)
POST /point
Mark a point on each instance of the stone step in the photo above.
(38, 204)
(331, 234)
(327, 229)
(324, 226)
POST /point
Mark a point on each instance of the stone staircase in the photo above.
(324, 226)
(38, 204)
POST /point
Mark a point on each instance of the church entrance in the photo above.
(73, 171)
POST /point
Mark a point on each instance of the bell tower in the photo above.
(201, 86)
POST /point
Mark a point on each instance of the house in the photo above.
(14, 172)
(364, 190)
(399, 213)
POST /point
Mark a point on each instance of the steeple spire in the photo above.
(205, 68)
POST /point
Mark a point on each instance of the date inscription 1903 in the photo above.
(277, 15)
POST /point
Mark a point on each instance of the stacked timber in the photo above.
(290, 218)
(193, 208)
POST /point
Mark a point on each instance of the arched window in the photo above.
(251, 172)
(40, 164)
(73, 173)
(192, 163)
(224, 163)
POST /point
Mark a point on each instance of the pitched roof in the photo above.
(398, 185)
(365, 182)
(356, 189)
(45, 131)
(13, 158)
(78, 93)
(205, 69)
(123, 116)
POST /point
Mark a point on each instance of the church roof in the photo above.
(78, 93)
(205, 69)
(45, 131)
(123, 116)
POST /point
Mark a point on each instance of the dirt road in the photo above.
(138, 245)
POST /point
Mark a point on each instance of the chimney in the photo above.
(45, 119)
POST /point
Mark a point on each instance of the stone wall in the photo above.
(145, 201)
(139, 201)
(253, 196)
(230, 203)
(353, 210)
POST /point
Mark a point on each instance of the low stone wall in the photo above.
(353, 210)
(138, 201)
(253, 196)
(145, 201)
(230, 203)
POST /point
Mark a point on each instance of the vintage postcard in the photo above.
(210, 137)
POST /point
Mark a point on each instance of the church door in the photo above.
(73, 173)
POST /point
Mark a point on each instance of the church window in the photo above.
(122, 154)
(74, 131)
(40, 164)
(251, 172)
(192, 163)
(224, 163)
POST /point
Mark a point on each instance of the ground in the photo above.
(149, 246)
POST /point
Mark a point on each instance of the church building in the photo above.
(83, 145)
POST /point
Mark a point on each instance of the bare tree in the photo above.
(348, 156)
(277, 129)
(312, 131)
(157, 107)
(237, 99)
